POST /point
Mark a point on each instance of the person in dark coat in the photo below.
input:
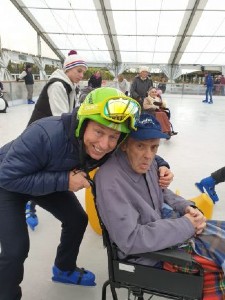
(95, 80)
(140, 85)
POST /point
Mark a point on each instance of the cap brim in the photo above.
(147, 134)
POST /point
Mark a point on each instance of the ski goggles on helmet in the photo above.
(115, 109)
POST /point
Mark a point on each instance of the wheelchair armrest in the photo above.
(174, 256)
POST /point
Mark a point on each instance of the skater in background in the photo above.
(29, 82)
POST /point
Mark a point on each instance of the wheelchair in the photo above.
(141, 279)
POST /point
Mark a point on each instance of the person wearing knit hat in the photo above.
(140, 85)
(73, 60)
(58, 96)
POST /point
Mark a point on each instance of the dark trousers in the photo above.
(219, 175)
(14, 238)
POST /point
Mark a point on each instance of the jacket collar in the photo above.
(123, 161)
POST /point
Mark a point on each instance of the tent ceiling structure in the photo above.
(131, 33)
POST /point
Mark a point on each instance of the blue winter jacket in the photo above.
(38, 162)
(209, 81)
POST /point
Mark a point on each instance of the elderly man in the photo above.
(140, 85)
(132, 206)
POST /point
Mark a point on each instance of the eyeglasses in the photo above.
(116, 109)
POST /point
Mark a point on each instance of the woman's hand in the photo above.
(78, 180)
(165, 177)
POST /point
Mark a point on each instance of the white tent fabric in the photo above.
(4, 73)
(172, 72)
(131, 33)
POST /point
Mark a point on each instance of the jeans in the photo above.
(208, 92)
(14, 238)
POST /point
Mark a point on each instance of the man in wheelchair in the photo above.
(142, 217)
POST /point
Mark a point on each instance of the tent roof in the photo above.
(131, 32)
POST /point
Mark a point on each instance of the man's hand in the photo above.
(165, 177)
(78, 181)
(197, 219)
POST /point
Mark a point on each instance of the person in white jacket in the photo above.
(57, 97)
(123, 84)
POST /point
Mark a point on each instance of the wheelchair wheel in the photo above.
(3, 105)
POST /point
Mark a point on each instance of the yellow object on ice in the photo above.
(90, 208)
(205, 203)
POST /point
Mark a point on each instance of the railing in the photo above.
(16, 92)
(193, 89)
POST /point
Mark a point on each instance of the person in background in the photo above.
(29, 82)
(208, 184)
(3, 102)
(57, 97)
(162, 85)
(154, 105)
(222, 84)
(83, 93)
(140, 85)
(133, 208)
(95, 80)
(209, 88)
(1, 87)
(123, 84)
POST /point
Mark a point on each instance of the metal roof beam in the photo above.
(107, 23)
(187, 27)
(37, 27)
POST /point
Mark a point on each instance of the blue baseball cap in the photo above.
(148, 128)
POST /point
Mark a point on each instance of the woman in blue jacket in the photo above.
(49, 161)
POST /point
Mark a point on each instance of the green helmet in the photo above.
(109, 107)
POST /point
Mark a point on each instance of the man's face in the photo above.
(140, 153)
(76, 74)
(144, 74)
(99, 140)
